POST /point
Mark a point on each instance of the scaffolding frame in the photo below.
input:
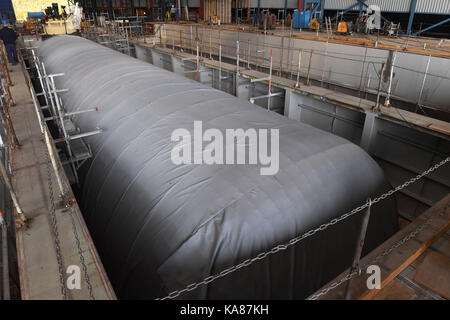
(78, 150)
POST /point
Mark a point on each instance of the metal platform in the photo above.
(43, 262)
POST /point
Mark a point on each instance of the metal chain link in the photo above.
(57, 241)
(80, 253)
(55, 229)
(380, 256)
(74, 229)
(293, 241)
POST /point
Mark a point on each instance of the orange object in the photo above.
(342, 27)
(314, 25)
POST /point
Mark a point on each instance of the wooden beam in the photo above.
(398, 260)
(404, 264)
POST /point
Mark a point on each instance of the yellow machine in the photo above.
(214, 20)
(345, 27)
(314, 25)
(342, 27)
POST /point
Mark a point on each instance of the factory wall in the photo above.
(423, 6)
(344, 65)
(22, 7)
(433, 6)
(275, 4)
(142, 3)
(220, 8)
(398, 6)
(6, 10)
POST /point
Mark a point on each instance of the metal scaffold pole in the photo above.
(20, 215)
(270, 80)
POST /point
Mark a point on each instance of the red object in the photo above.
(96, 108)
(150, 5)
(1, 213)
(200, 11)
(299, 5)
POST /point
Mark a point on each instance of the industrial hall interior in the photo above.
(209, 150)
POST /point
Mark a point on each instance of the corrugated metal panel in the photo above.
(433, 6)
(385, 5)
(191, 3)
(279, 4)
(423, 6)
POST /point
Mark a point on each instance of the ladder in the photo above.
(328, 27)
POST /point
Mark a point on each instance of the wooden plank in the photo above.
(399, 259)
(402, 222)
(396, 290)
(402, 266)
(417, 119)
(434, 274)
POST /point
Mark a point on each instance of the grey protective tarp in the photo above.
(159, 227)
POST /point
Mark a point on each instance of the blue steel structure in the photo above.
(412, 11)
(432, 27)
(356, 4)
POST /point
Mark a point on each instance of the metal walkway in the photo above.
(39, 270)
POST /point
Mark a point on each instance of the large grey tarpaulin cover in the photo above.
(160, 226)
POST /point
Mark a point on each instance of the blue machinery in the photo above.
(308, 10)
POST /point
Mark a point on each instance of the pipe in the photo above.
(12, 193)
(432, 27)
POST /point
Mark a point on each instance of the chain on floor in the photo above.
(55, 229)
(80, 253)
(57, 240)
